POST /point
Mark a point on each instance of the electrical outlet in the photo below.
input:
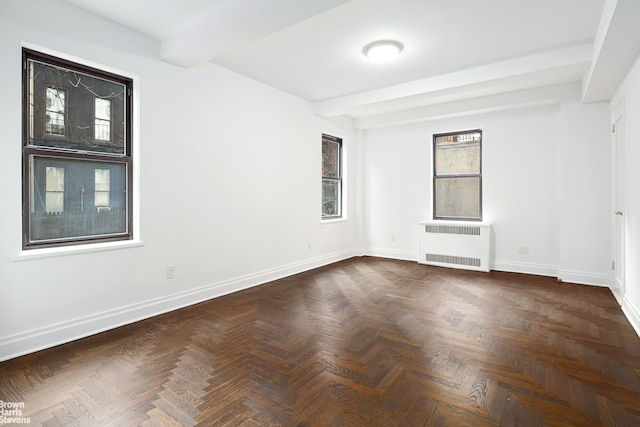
(393, 237)
(170, 271)
(308, 246)
(523, 249)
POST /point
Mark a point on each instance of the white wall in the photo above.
(545, 185)
(585, 193)
(629, 95)
(229, 187)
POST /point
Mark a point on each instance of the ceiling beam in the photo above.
(507, 101)
(552, 67)
(232, 24)
(616, 47)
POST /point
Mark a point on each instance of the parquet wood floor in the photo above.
(363, 342)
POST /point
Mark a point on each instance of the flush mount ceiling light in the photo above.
(382, 50)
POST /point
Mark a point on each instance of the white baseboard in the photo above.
(391, 253)
(579, 277)
(585, 278)
(526, 268)
(618, 295)
(50, 336)
(632, 313)
(571, 276)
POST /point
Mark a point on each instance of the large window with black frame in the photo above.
(457, 175)
(77, 159)
(331, 177)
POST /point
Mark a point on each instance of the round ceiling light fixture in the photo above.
(382, 50)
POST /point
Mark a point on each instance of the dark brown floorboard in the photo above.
(363, 342)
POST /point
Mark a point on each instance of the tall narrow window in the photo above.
(102, 125)
(331, 177)
(77, 158)
(54, 111)
(457, 175)
(54, 189)
(102, 194)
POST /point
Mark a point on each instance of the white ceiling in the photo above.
(439, 36)
(454, 49)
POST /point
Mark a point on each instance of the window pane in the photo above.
(103, 179)
(102, 187)
(102, 119)
(55, 178)
(55, 100)
(54, 111)
(457, 154)
(84, 189)
(330, 198)
(64, 106)
(457, 197)
(54, 189)
(330, 159)
(101, 199)
(54, 201)
(103, 109)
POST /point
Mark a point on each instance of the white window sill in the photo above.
(333, 220)
(30, 254)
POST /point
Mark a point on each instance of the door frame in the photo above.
(618, 211)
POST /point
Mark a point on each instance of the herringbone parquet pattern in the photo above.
(363, 342)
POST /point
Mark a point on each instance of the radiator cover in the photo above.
(456, 245)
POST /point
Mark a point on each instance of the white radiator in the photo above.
(450, 244)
